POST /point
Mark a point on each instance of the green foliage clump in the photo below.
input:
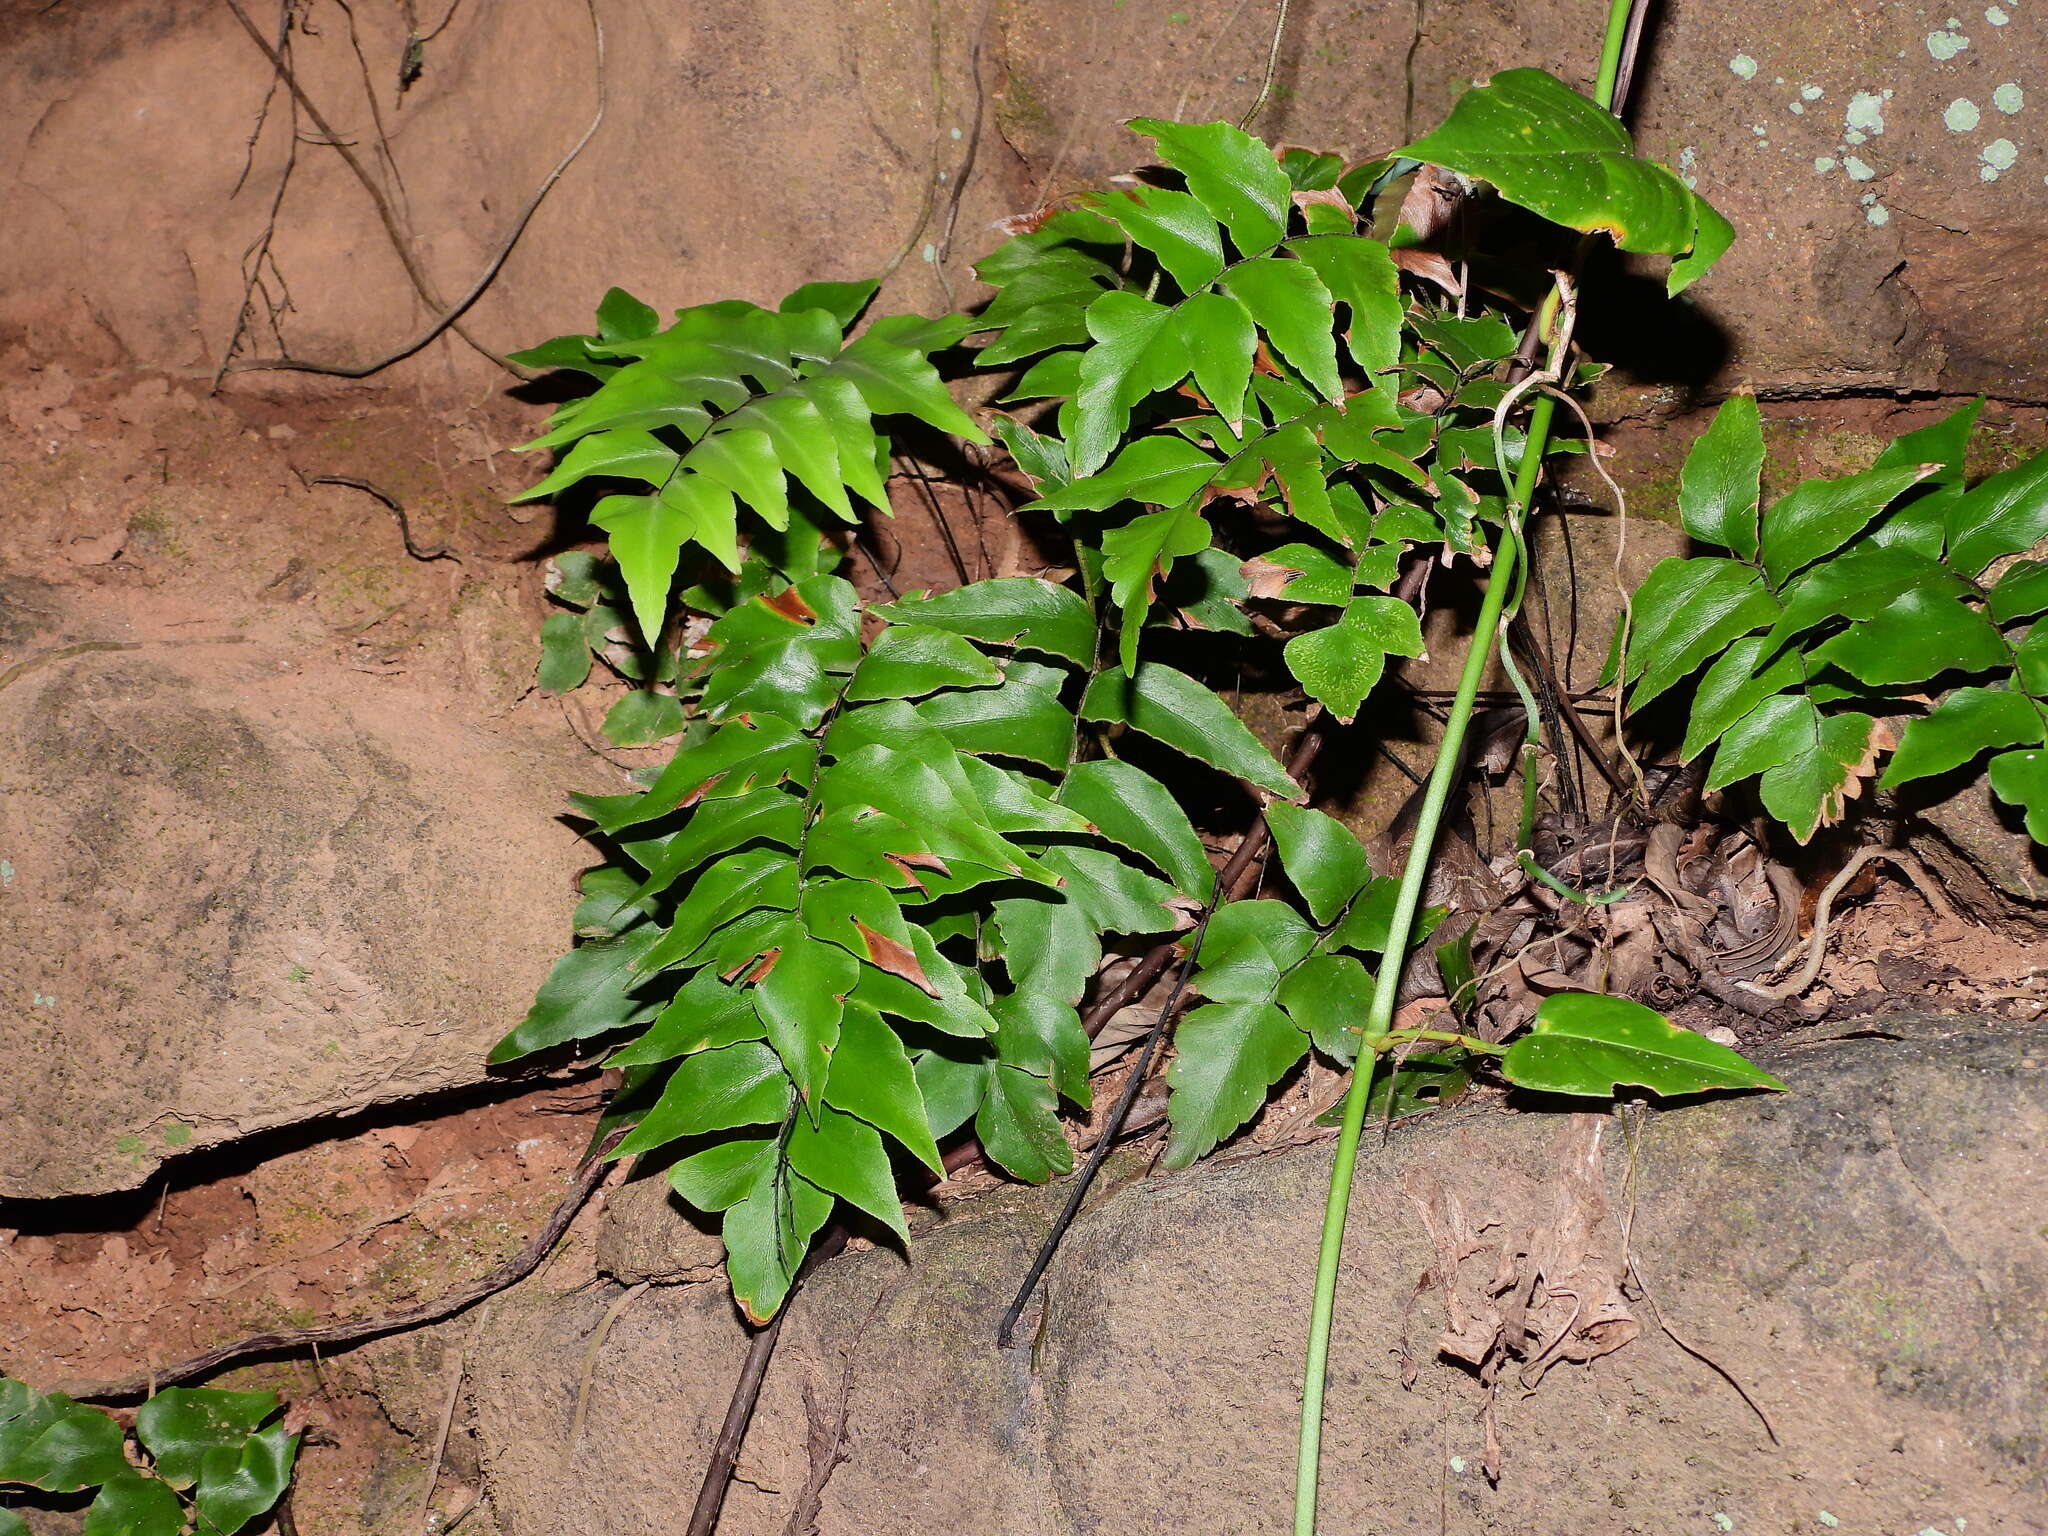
(1846, 604)
(859, 908)
(200, 1461)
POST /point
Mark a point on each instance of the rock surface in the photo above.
(1855, 1254)
(278, 839)
(1882, 166)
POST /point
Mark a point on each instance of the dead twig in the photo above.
(625, 1299)
(438, 552)
(447, 316)
(1823, 909)
(515, 1269)
(476, 1329)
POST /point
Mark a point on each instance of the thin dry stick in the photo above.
(447, 316)
(476, 1329)
(401, 238)
(1823, 910)
(625, 1299)
(515, 1269)
(1272, 67)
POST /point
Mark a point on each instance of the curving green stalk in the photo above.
(1436, 794)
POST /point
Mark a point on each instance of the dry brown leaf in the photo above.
(885, 954)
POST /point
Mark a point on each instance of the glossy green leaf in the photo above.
(1318, 577)
(842, 301)
(737, 757)
(1138, 350)
(1026, 611)
(1718, 487)
(909, 660)
(1321, 855)
(1161, 471)
(845, 1156)
(1137, 554)
(1129, 807)
(946, 814)
(1857, 584)
(1368, 925)
(1552, 151)
(2032, 658)
(1042, 1035)
(1208, 590)
(1810, 762)
(898, 380)
(1731, 688)
(1339, 664)
(235, 1486)
(128, 1505)
(2021, 779)
(1231, 173)
(1966, 722)
(1173, 226)
(1360, 274)
(642, 718)
(2021, 592)
(1018, 719)
(1590, 1046)
(2006, 514)
(1018, 1125)
(180, 1426)
(871, 1077)
(1915, 637)
(564, 658)
(592, 990)
(628, 454)
(1296, 458)
(1686, 611)
(739, 883)
(1018, 803)
(955, 1010)
(1249, 946)
(1817, 517)
(1173, 708)
(571, 352)
(766, 1235)
(705, 1015)
(1294, 309)
(1328, 997)
(47, 1441)
(742, 1084)
(719, 1177)
(1049, 946)
(1113, 896)
(800, 1000)
(1220, 338)
(1227, 1056)
(721, 826)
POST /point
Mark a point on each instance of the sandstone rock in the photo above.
(241, 894)
(1859, 1254)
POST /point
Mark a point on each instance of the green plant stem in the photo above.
(1618, 13)
(1379, 1020)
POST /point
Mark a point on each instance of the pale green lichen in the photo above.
(1857, 170)
(1999, 155)
(1962, 115)
(1865, 112)
(1943, 46)
(1996, 16)
(1822, 164)
(1810, 92)
(1742, 66)
(2008, 98)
